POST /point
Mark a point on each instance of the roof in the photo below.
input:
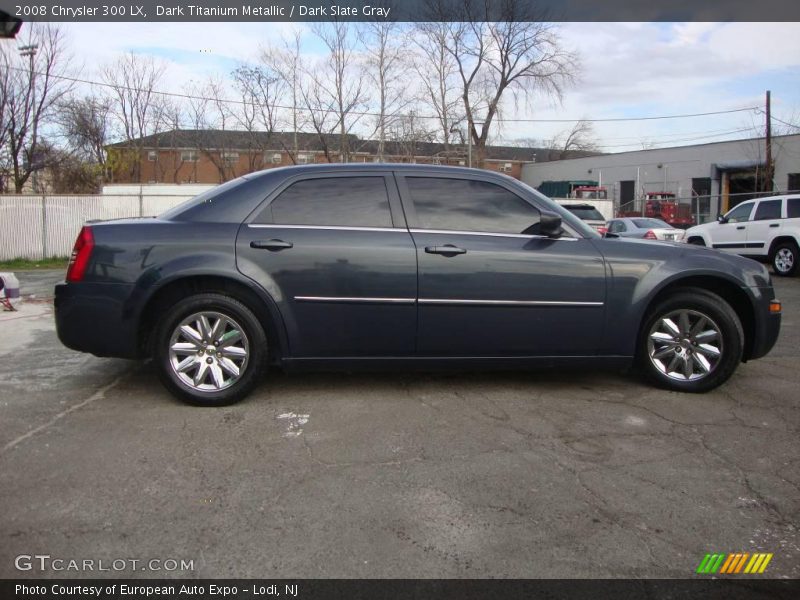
(218, 139)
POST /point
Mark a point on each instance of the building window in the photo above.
(304, 159)
(506, 167)
(276, 158)
(152, 155)
(230, 158)
(188, 156)
(794, 182)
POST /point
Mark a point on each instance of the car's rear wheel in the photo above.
(210, 350)
(692, 342)
(784, 259)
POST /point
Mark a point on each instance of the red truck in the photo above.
(662, 205)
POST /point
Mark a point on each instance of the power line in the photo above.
(374, 114)
(689, 139)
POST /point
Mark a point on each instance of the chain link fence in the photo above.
(35, 227)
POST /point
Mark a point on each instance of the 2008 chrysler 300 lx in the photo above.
(346, 266)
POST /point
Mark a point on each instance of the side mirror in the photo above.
(722, 219)
(550, 224)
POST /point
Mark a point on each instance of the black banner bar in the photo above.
(405, 589)
(401, 10)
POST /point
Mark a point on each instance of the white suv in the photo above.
(764, 229)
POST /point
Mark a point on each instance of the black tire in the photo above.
(783, 258)
(232, 316)
(697, 241)
(695, 346)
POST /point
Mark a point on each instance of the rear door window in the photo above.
(768, 209)
(332, 201)
(793, 208)
(469, 205)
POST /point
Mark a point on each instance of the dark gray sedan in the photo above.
(348, 266)
(644, 228)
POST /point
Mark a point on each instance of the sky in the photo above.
(627, 70)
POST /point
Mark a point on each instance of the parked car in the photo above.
(345, 266)
(588, 214)
(767, 229)
(648, 229)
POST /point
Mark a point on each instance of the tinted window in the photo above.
(651, 224)
(740, 213)
(588, 213)
(465, 205)
(336, 201)
(768, 209)
(793, 208)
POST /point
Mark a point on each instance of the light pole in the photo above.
(30, 52)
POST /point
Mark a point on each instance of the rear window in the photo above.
(650, 224)
(586, 213)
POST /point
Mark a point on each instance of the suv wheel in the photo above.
(784, 258)
(210, 350)
(691, 342)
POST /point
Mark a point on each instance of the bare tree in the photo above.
(133, 79)
(339, 80)
(437, 73)
(261, 91)
(286, 61)
(386, 70)
(502, 49)
(85, 124)
(580, 137)
(30, 88)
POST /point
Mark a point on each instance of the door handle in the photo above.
(775, 225)
(271, 245)
(446, 250)
(740, 227)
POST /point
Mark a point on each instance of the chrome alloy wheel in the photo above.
(208, 351)
(784, 260)
(685, 345)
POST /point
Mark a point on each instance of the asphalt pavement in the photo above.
(537, 474)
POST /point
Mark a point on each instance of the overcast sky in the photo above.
(628, 70)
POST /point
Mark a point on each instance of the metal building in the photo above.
(711, 177)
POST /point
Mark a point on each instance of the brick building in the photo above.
(214, 156)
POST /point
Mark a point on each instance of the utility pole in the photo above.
(30, 52)
(769, 145)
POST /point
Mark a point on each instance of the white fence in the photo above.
(36, 227)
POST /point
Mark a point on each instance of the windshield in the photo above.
(651, 224)
(207, 196)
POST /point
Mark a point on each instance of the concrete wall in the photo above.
(672, 169)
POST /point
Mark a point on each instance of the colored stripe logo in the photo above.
(734, 563)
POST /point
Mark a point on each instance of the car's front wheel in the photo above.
(784, 259)
(692, 342)
(210, 350)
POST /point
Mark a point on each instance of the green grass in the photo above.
(24, 264)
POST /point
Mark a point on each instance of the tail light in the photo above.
(650, 235)
(81, 253)
(602, 230)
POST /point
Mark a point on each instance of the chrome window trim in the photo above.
(491, 234)
(326, 227)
